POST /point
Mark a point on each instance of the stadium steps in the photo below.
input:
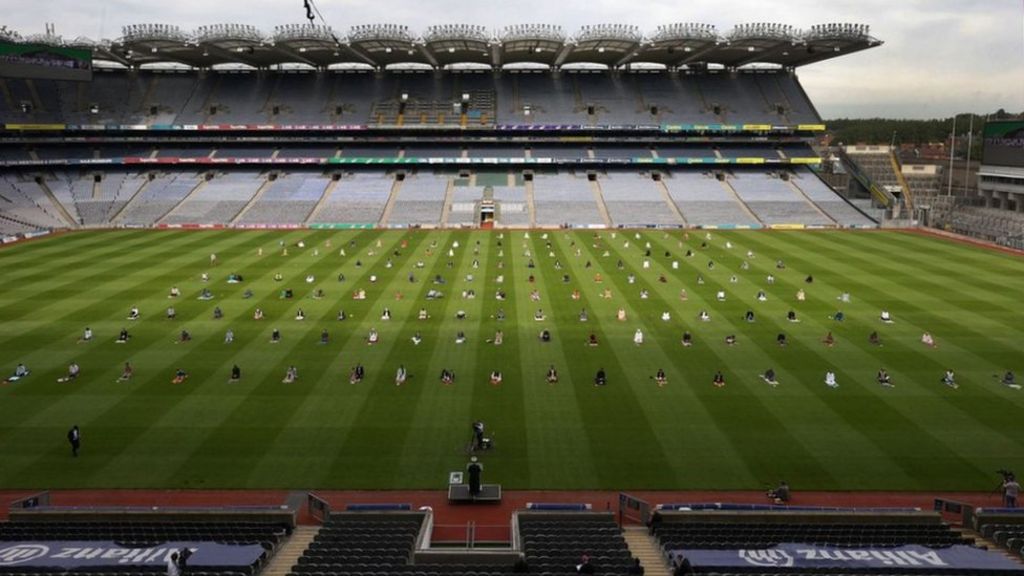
(732, 192)
(328, 190)
(644, 546)
(796, 189)
(289, 551)
(202, 182)
(64, 214)
(531, 208)
(448, 191)
(660, 186)
(907, 196)
(135, 194)
(252, 201)
(602, 208)
(37, 103)
(5, 90)
(396, 185)
(983, 542)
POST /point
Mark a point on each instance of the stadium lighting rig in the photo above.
(684, 31)
(394, 32)
(548, 32)
(457, 32)
(842, 31)
(149, 32)
(8, 35)
(220, 32)
(763, 30)
(304, 32)
(626, 32)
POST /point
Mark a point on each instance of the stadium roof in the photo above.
(381, 45)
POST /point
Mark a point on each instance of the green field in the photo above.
(322, 432)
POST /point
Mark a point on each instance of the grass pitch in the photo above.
(322, 432)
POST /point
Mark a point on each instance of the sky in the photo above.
(940, 57)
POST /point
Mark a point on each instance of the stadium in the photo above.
(477, 302)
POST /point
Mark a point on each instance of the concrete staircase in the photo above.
(288, 553)
(645, 547)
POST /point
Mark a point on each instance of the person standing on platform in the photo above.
(475, 469)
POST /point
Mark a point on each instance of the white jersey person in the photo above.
(638, 337)
(133, 313)
(229, 336)
(20, 371)
(86, 335)
(400, 376)
(830, 379)
(949, 379)
(886, 317)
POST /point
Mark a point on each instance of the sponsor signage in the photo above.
(806, 556)
(86, 554)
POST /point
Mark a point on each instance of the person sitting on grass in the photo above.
(318, 294)
(20, 371)
(552, 375)
(719, 379)
(205, 294)
(927, 340)
(769, 377)
(830, 379)
(781, 494)
(539, 315)
(355, 376)
(257, 314)
(495, 377)
(886, 317)
(73, 371)
(275, 336)
(687, 339)
(290, 375)
(829, 340)
(801, 295)
(133, 313)
(730, 340)
(325, 337)
(171, 313)
(544, 336)
(86, 335)
(416, 339)
(638, 337)
(385, 315)
(447, 376)
(359, 295)
(184, 337)
(460, 337)
(703, 316)
(660, 378)
(236, 374)
(300, 314)
(174, 292)
(592, 340)
(761, 296)
(791, 316)
(620, 315)
(373, 337)
(400, 375)
(884, 379)
(217, 313)
(179, 376)
(127, 372)
(1010, 381)
(749, 316)
(583, 315)
(949, 379)
(781, 340)
(600, 379)
(874, 339)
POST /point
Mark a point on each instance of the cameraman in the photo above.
(1010, 490)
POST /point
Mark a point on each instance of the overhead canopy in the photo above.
(382, 45)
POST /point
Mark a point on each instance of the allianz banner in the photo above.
(905, 558)
(94, 553)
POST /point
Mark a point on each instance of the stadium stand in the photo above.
(1003, 526)
(773, 201)
(359, 198)
(288, 199)
(839, 209)
(511, 206)
(420, 200)
(565, 199)
(554, 542)
(155, 198)
(634, 200)
(356, 543)
(706, 201)
(216, 200)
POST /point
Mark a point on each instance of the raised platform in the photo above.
(489, 494)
